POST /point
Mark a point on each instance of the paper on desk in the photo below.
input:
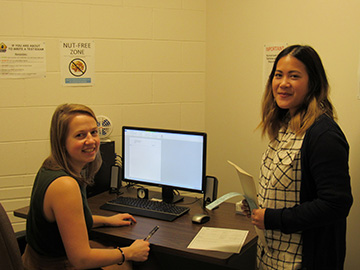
(218, 239)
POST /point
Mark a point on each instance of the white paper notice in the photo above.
(270, 53)
(77, 62)
(22, 59)
(219, 239)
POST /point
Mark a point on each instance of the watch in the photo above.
(143, 193)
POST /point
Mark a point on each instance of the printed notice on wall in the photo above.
(270, 53)
(77, 62)
(22, 59)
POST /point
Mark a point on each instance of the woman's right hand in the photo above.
(138, 251)
(245, 209)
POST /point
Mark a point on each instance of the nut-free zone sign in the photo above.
(77, 62)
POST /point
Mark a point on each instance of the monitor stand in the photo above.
(168, 195)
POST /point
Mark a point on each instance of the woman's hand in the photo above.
(244, 208)
(257, 215)
(257, 218)
(114, 221)
(120, 220)
(138, 251)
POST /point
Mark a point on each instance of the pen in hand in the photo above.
(151, 233)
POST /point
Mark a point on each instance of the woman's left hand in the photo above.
(257, 218)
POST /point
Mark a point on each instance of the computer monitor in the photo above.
(170, 159)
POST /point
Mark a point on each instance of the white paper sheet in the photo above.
(248, 186)
(219, 239)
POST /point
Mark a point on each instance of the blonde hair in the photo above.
(58, 159)
(316, 102)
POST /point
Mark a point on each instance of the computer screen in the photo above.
(171, 159)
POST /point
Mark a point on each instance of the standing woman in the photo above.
(304, 187)
(59, 218)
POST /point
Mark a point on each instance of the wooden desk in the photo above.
(169, 243)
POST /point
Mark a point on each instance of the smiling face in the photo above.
(290, 83)
(82, 142)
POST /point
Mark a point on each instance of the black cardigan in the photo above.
(325, 198)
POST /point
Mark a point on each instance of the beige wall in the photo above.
(163, 55)
(149, 71)
(236, 33)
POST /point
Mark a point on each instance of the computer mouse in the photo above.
(200, 218)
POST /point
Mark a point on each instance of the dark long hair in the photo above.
(316, 102)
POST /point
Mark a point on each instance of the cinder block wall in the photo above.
(149, 71)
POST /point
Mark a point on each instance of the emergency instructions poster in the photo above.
(22, 59)
(77, 62)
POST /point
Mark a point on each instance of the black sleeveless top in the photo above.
(44, 236)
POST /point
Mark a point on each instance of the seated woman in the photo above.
(59, 218)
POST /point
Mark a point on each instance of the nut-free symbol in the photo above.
(77, 67)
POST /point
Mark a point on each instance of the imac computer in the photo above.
(170, 159)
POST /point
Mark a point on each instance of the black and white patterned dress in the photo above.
(279, 187)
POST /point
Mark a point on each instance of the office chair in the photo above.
(10, 256)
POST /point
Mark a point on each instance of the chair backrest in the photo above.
(10, 257)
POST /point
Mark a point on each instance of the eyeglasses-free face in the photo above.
(82, 142)
(290, 83)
